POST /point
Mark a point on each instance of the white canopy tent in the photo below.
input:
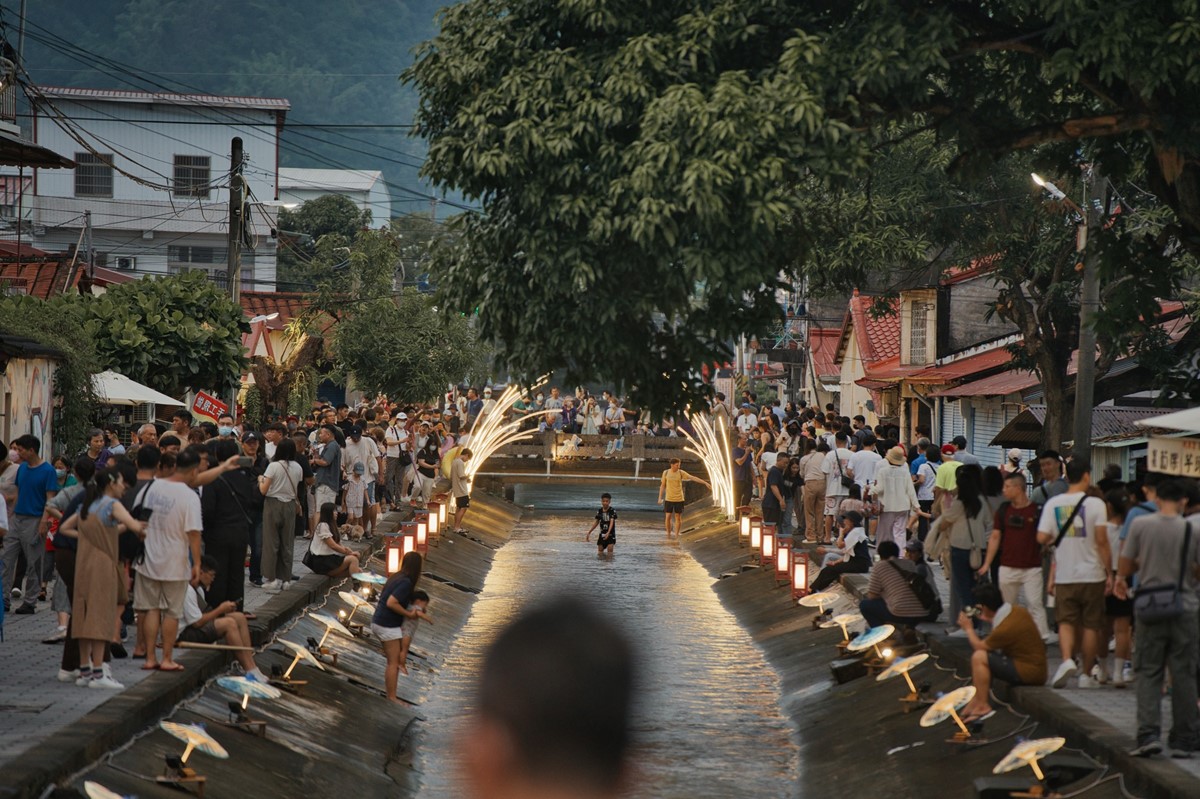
(117, 389)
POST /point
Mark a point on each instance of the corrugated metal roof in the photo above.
(964, 367)
(994, 386)
(1108, 423)
(329, 179)
(165, 98)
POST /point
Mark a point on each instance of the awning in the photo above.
(993, 386)
(963, 367)
(15, 151)
(1187, 421)
(117, 389)
(1110, 423)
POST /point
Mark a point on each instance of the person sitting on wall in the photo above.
(1014, 650)
(896, 593)
(850, 555)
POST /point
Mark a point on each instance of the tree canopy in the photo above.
(641, 165)
(172, 333)
(301, 231)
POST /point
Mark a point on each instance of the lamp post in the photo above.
(1091, 216)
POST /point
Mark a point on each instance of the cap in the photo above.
(250, 435)
(356, 430)
(359, 468)
(948, 449)
(854, 516)
(447, 412)
(402, 416)
(747, 405)
(915, 545)
(1014, 454)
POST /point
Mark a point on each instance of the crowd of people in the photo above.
(1020, 544)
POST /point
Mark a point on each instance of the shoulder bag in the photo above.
(925, 593)
(1062, 528)
(130, 546)
(846, 481)
(976, 549)
(1164, 602)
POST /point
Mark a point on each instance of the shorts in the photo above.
(207, 634)
(771, 515)
(1003, 668)
(673, 507)
(325, 494)
(1119, 608)
(606, 541)
(164, 595)
(387, 633)
(462, 502)
(832, 503)
(1080, 604)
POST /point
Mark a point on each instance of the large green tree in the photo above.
(333, 218)
(637, 162)
(172, 333)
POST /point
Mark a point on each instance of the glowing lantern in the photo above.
(410, 542)
(755, 532)
(422, 537)
(766, 551)
(783, 560)
(799, 574)
(435, 518)
(395, 554)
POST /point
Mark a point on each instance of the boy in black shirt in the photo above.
(606, 520)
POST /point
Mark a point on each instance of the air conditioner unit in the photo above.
(126, 262)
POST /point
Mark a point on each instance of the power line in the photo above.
(317, 125)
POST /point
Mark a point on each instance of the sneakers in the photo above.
(1066, 671)
(85, 677)
(68, 676)
(1147, 748)
(286, 585)
(60, 635)
(1099, 673)
(105, 682)
(1180, 752)
(272, 585)
(1086, 682)
(25, 610)
(1128, 675)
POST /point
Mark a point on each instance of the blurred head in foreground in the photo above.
(552, 716)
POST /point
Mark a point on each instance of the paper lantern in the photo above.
(783, 560)
(766, 551)
(395, 553)
(799, 574)
(435, 518)
(755, 532)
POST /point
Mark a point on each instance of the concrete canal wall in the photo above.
(856, 738)
(337, 736)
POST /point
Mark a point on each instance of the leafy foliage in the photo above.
(302, 228)
(423, 351)
(638, 162)
(172, 333)
(60, 323)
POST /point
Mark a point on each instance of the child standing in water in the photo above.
(606, 520)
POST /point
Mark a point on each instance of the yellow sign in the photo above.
(1179, 456)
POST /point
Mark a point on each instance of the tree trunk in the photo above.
(1059, 409)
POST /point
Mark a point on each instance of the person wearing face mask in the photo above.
(225, 428)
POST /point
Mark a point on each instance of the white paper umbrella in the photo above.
(947, 707)
(871, 638)
(249, 688)
(196, 737)
(354, 600)
(843, 620)
(819, 600)
(302, 653)
(331, 624)
(369, 577)
(1028, 753)
(903, 666)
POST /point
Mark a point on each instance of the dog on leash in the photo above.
(354, 532)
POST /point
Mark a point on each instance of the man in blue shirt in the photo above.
(36, 483)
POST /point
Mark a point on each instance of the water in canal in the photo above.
(708, 723)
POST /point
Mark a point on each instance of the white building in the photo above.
(154, 174)
(365, 188)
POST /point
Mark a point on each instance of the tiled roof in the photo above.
(42, 279)
(822, 343)
(165, 98)
(878, 337)
(1108, 422)
(288, 304)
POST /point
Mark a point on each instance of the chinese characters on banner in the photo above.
(208, 406)
(1178, 456)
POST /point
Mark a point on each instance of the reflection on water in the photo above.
(708, 724)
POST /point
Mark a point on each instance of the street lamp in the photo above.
(1089, 300)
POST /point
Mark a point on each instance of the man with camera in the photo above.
(1014, 650)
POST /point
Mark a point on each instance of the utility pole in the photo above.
(1093, 211)
(234, 263)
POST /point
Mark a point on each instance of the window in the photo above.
(93, 175)
(192, 255)
(192, 176)
(189, 258)
(916, 335)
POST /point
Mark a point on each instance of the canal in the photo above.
(708, 722)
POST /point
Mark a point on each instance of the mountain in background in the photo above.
(336, 62)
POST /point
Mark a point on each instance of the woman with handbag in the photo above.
(969, 522)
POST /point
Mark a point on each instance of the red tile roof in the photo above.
(42, 279)
(963, 367)
(823, 343)
(878, 337)
(288, 304)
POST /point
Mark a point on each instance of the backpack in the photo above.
(926, 594)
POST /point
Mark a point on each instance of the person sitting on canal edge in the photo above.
(552, 713)
(224, 621)
(671, 486)
(1014, 650)
(896, 593)
(606, 520)
(850, 555)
